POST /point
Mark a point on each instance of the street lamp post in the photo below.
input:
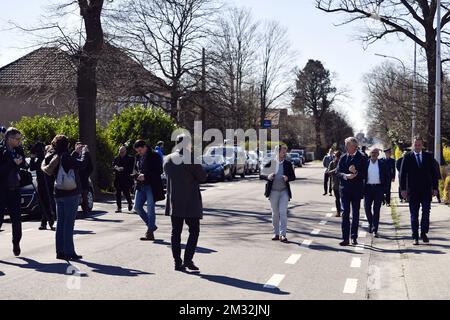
(437, 121)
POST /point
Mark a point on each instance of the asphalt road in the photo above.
(237, 258)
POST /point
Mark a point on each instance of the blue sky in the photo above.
(312, 33)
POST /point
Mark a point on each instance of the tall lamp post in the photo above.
(437, 121)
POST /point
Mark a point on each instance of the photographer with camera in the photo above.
(44, 189)
(12, 159)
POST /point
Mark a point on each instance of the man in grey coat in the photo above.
(184, 201)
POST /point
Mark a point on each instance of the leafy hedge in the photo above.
(136, 122)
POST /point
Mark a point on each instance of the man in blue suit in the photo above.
(351, 171)
(419, 183)
(376, 183)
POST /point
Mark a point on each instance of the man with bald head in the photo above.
(376, 183)
(123, 166)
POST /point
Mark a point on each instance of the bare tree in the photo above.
(413, 19)
(166, 36)
(276, 59)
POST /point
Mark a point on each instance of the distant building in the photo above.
(44, 82)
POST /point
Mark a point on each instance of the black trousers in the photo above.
(326, 183)
(337, 195)
(372, 205)
(126, 193)
(10, 200)
(387, 193)
(191, 246)
(47, 204)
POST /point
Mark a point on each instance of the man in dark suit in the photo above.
(375, 185)
(418, 182)
(123, 166)
(390, 163)
(184, 200)
(351, 171)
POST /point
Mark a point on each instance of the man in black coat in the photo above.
(184, 201)
(376, 184)
(390, 163)
(418, 182)
(85, 174)
(149, 187)
(45, 193)
(351, 171)
(123, 166)
(398, 166)
(12, 160)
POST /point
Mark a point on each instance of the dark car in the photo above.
(217, 168)
(302, 154)
(295, 159)
(30, 201)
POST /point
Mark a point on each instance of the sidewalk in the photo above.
(399, 270)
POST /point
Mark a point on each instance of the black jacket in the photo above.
(385, 177)
(417, 180)
(123, 179)
(71, 162)
(151, 167)
(9, 171)
(357, 184)
(86, 171)
(390, 163)
(288, 172)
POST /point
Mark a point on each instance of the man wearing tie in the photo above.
(376, 184)
(351, 171)
(418, 182)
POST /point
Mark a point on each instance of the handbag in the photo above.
(65, 180)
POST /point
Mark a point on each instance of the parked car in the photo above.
(264, 159)
(217, 168)
(295, 159)
(302, 154)
(233, 155)
(252, 161)
(29, 201)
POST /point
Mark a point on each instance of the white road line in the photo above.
(293, 259)
(275, 281)
(359, 247)
(362, 234)
(306, 243)
(323, 222)
(365, 224)
(315, 232)
(350, 286)
(27, 230)
(329, 215)
(356, 263)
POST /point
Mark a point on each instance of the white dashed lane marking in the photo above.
(356, 263)
(293, 259)
(329, 215)
(315, 232)
(359, 247)
(350, 286)
(306, 243)
(323, 222)
(275, 281)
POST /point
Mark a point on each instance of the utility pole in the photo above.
(437, 121)
(203, 99)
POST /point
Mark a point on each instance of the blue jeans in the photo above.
(145, 194)
(414, 207)
(350, 200)
(66, 211)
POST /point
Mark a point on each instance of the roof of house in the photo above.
(51, 67)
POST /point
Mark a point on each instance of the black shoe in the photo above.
(325, 194)
(61, 256)
(425, 238)
(354, 242)
(376, 234)
(416, 242)
(130, 207)
(276, 238)
(344, 243)
(191, 266)
(118, 211)
(16, 249)
(149, 236)
(180, 267)
(43, 227)
(284, 239)
(74, 257)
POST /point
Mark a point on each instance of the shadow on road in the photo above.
(113, 270)
(238, 283)
(83, 232)
(183, 246)
(2, 273)
(55, 268)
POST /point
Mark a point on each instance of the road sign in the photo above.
(267, 124)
